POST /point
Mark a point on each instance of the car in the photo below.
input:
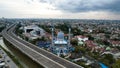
(8, 60)
(2, 64)
(1, 61)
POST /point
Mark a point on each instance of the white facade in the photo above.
(82, 38)
(60, 42)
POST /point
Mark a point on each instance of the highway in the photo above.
(41, 56)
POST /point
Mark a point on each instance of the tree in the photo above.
(79, 49)
(90, 37)
(1, 28)
(108, 59)
(42, 39)
(116, 64)
(76, 31)
(107, 36)
(64, 27)
(106, 42)
(74, 42)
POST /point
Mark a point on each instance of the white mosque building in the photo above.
(60, 46)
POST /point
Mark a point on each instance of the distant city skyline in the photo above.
(70, 9)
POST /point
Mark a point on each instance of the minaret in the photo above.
(52, 34)
(69, 35)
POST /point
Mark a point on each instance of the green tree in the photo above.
(1, 28)
(76, 31)
(116, 64)
(74, 42)
(79, 49)
(90, 37)
(108, 59)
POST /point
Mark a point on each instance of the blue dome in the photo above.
(60, 35)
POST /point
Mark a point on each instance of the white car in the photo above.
(2, 64)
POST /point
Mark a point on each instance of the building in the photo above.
(33, 31)
(115, 43)
(90, 44)
(61, 46)
(81, 38)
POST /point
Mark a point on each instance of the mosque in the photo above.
(60, 46)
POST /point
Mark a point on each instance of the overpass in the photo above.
(39, 55)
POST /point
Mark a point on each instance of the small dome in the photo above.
(60, 35)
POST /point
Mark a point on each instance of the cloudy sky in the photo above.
(78, 9)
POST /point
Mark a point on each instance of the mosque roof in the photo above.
(60, 35)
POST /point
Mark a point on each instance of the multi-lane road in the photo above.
(41, 56)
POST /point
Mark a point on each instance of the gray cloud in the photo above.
(85, 5)
(43, 1)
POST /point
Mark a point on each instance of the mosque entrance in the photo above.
(61, 51)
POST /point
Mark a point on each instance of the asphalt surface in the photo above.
(41, 56)
(8, 60)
